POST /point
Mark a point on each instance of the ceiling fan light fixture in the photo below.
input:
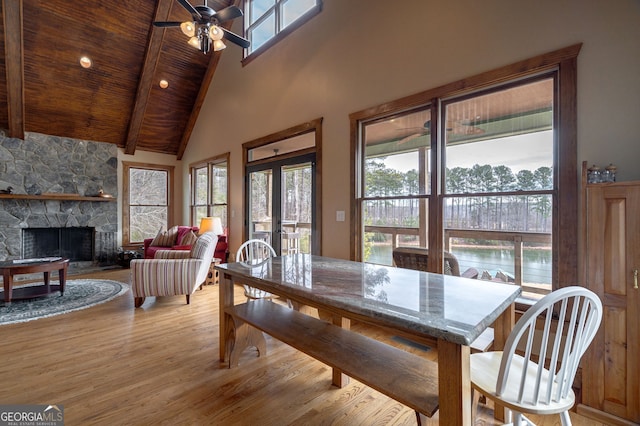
(203, 30)
(216, 33)
(218, 45)
(188, 28)
(195, 42)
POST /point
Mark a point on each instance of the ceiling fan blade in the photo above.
(228, 14)
(166, 24)
(236, 39)
(192, 10)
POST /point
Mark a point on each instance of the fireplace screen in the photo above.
(76, 244)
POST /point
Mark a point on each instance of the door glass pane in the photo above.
(261, 201)
(296, 209)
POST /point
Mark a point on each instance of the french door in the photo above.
(281, 204)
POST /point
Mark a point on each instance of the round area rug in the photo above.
(78, 294)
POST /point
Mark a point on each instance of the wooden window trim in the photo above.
(126, 194)
(209, 162)
(565, 213)
(310, 14)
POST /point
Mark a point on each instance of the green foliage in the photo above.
(525, 212)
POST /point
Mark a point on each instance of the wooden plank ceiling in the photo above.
(118, 100)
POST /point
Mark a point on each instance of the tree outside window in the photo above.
(147, 201)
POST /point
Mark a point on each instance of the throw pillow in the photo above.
(166, 238)
(189, 239)
(199, 248)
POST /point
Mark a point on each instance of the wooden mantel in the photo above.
(60, 197)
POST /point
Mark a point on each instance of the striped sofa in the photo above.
(173, 272)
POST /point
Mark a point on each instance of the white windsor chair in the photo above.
(253, 252)
(535, 372)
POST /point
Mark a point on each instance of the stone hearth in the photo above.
(44, 164)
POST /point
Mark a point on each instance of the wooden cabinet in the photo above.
(611, 373)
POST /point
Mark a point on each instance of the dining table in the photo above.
(452, 311)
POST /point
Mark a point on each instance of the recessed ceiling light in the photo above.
(85, 62)
(164, 83)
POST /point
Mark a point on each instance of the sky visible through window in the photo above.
(289, 11)
(523, 152)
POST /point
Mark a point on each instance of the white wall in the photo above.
(361, 53)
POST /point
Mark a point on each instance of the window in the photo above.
(210, 190)
(147, 201)
(488, 174)
(267, 21)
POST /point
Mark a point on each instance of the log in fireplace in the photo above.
(75, 243)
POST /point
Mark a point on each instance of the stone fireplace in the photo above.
(55, 183)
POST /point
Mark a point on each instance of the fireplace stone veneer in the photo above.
(43, 164)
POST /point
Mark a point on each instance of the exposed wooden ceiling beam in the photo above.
(146, 79)
(14, 64)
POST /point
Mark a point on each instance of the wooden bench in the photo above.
(407, 378)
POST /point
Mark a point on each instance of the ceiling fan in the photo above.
(204, 30)
(456, 127)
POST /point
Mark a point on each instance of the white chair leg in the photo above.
(564, 417)
(508, 415)
(520, 419)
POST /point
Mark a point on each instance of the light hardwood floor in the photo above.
(158, 365)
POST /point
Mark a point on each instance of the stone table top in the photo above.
(451, 308)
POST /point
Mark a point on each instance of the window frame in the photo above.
(315, 127)
(209, 164)
(565, 205)
(281, 33)
(126, 194)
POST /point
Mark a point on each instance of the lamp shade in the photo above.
(188, 29)
(218, 45)
(216, 33)
(195, 42)
(213, 224)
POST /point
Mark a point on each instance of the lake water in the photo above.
(536, 269)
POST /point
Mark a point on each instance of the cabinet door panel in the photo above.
(615, 231)
(610, 372)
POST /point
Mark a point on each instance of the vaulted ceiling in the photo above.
(118, 100)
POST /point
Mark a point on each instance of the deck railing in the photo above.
(515, 241)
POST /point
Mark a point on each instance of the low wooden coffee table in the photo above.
(10, 268)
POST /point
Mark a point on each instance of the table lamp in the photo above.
(213, 224)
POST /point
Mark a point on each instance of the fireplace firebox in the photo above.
(76, 243)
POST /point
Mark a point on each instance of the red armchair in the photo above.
(173, 238)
